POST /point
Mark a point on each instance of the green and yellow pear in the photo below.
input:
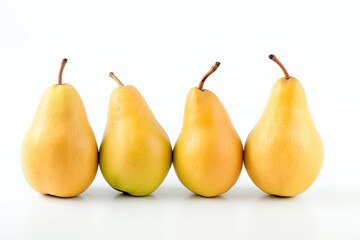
(59, 154)
(284, 153)
(135, 153)
(208, 154)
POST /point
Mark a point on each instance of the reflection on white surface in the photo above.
(175, 213)
(128, 216)
(213, 218)
(51, 217)
(281, 217)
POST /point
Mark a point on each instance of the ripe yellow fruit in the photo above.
(208, 154)
(59, 153)
(135, 153)
(284, 153)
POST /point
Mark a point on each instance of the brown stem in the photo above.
(63, 62)
(275, 59)
(112, 75)
(213, 69)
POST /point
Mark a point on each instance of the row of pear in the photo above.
(283, 154)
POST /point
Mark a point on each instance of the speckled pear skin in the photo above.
(135, 153)
(59, 154)
(284, 152)
(208, 154)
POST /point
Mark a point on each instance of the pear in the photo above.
(135, 153)
(208, 154)
(59, 154)
(284, 153)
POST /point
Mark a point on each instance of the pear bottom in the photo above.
(286, 171)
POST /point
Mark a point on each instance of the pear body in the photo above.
(135, 153)
(284, 153)
(208, 154)
(59, 154)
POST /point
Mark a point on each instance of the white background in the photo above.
(164, 48)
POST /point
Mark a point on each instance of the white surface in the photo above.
(164, 49)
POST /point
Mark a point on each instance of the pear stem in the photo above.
(213, 69)
(63, 62)
(112, 75)
(275, 59)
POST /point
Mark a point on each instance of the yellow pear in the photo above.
(208, 154)
(135, 153)
(284, 153)
(59, 154)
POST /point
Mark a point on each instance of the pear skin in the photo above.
(284, 153)
(135, 153)
(208, 154)
(59, 154)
